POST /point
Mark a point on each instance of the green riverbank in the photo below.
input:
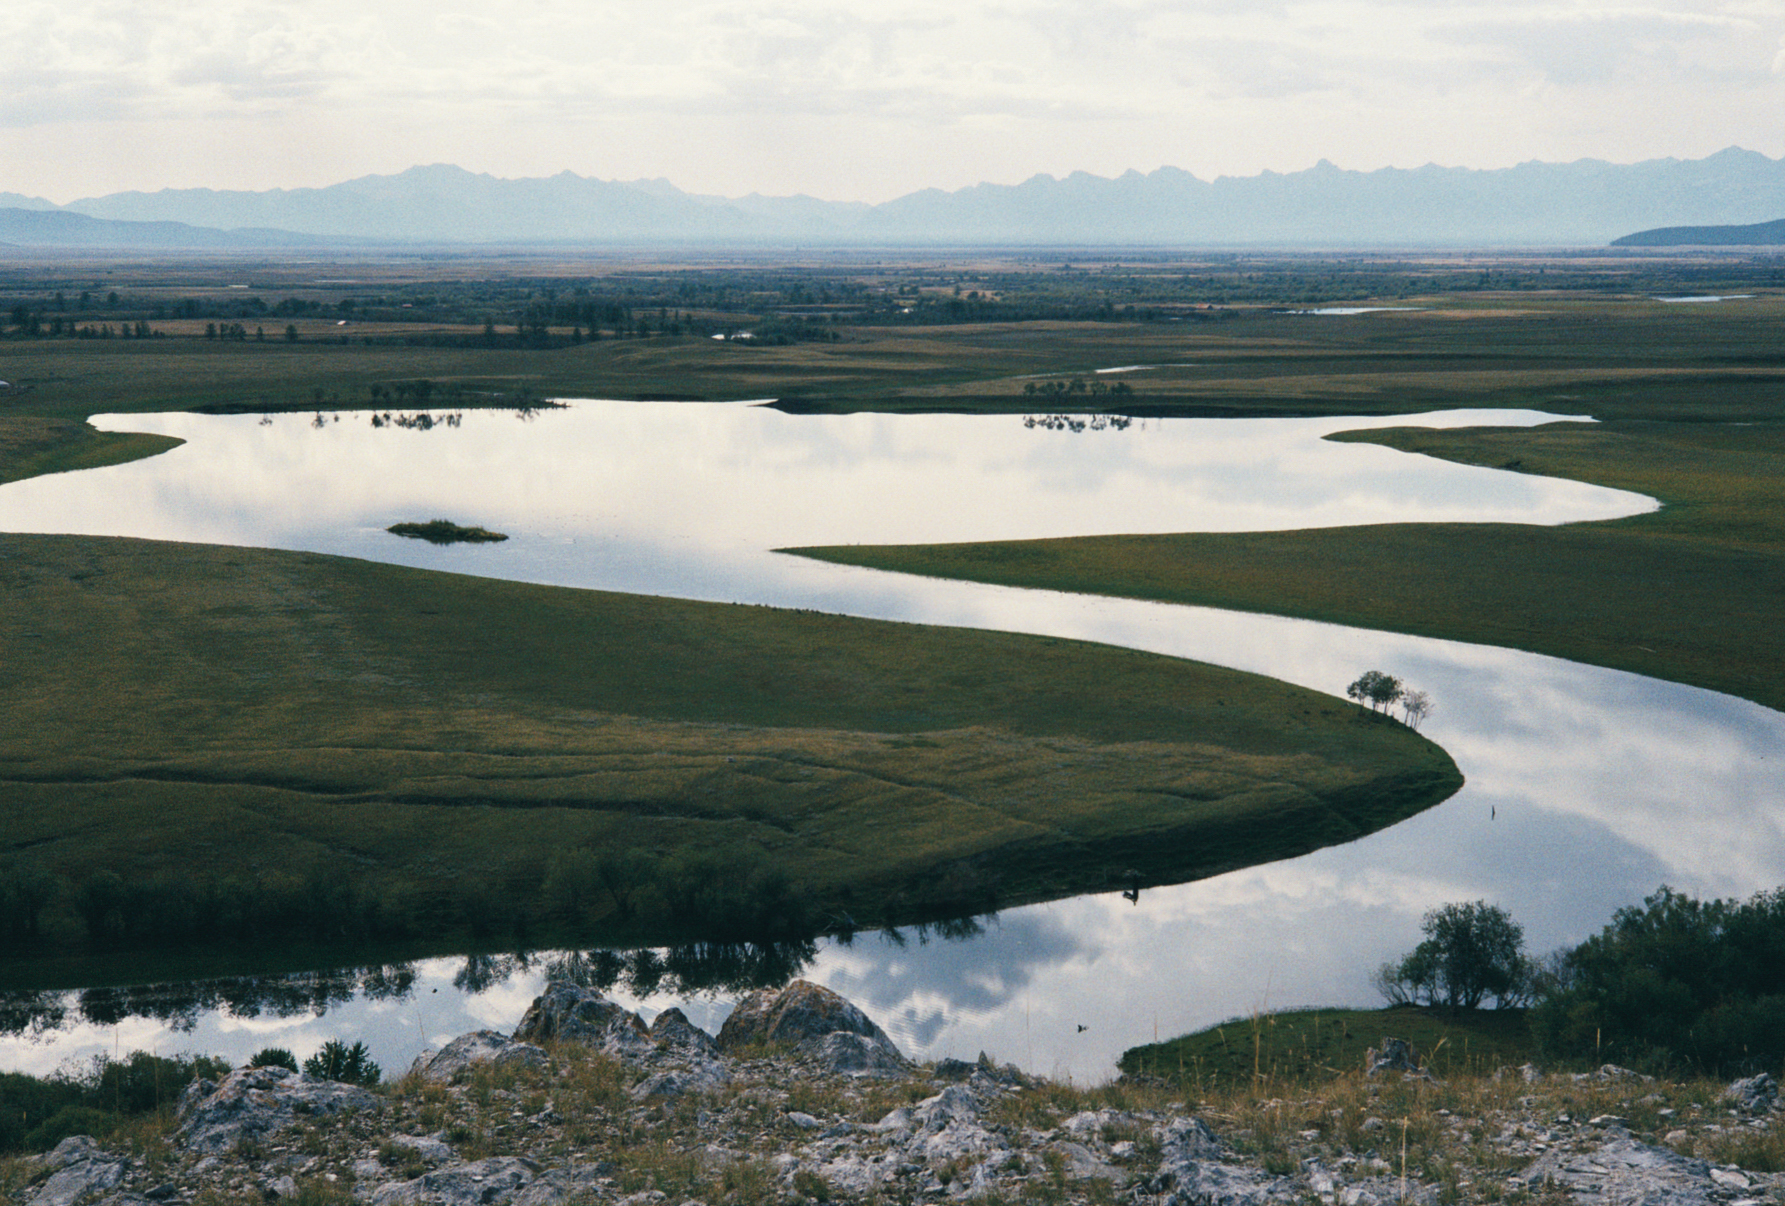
(1689, 593)
(266, 745)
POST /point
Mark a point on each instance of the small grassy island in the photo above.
(445, 531)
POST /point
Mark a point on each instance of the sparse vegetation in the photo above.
(445, 531)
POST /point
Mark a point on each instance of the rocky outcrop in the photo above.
(253, 1103)
(460, 1057)
(669, 1115)
(78, 1167)
(1754, 1095)
(569, 1013)
(814, 1022)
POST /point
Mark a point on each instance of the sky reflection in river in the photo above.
(1587, 788)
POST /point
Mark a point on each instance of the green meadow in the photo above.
(248, 751)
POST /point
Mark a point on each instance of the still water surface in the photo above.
(1586, 788)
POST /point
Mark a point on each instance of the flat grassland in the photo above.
(472, 757)
(461, 753)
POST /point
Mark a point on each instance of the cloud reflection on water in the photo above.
(1586, 788)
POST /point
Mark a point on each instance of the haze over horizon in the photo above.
(850, 101)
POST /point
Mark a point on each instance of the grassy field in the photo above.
(295, 721)
(461, 753)
(1308, 1046)
(1689, 593)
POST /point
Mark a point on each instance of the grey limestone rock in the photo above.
(82, 1168)
(1754, 1095)
(460, 1056)
(254, 1102)
(798, 1012)
(852, 1054)
(492, 1182)
(1623, 1171)
(570, 1013)
(672, 1029)
(701, 1077)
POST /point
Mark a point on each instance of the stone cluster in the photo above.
(801, 1097)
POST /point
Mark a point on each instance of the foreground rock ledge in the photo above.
(803, 1098)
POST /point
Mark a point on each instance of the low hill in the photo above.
(1760, 234)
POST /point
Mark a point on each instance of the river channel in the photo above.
(1587, 788)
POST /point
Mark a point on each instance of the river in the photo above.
(1587, 788)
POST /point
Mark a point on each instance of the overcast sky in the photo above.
(864, 99)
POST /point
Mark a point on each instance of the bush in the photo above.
(1676, 984)
(352, 1065)
(274, 1057)
(67, 1121)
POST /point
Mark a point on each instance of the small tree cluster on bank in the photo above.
(1380, 692)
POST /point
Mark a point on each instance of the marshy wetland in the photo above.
(767, 751)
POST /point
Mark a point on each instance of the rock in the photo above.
(564, 1185)
(1395, 1055)
(456, 1060)
(492, 1182)
(1755, 1095)
(1623, 1171)
(82, 1168)
(704, 1077)
(252, 1103)
(673, 1029)
(1191, 1174)
(852, 1054)
(279, 1187)
(430, 1148)
(569, 1013)
(800, 1011)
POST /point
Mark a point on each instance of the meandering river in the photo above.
(1586, 789)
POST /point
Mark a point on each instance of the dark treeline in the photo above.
(1678, 984)
(782, 304)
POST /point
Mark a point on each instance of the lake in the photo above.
(1586, 788)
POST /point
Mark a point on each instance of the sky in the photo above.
(864, 100)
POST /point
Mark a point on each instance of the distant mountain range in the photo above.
(1760, 234)
(1585, 203)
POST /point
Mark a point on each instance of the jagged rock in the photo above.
(1623, 1171)
(671, 1028)
(279, 1187)
(703, 1077)
(431, 1148)
(954, 1069)
(251, 1103)
(1191, 1172)
(854, 1055)
(464, 1053)
(800, 1011)
(1395, 1055)
(1754, 1095)
(563, 1185)
(492, 1182)
(569, 1013)
(82, 1168)
(947, 1127)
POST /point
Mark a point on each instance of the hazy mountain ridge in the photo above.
(1587, 202)
(1759, 234)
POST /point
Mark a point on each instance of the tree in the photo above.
(1376, 689)
(1415, 707)
(1471, 952)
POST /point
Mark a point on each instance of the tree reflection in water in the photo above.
(685, 970)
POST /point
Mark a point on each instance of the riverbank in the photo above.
(801, 1098)
(1688, 593)
(406, 760)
